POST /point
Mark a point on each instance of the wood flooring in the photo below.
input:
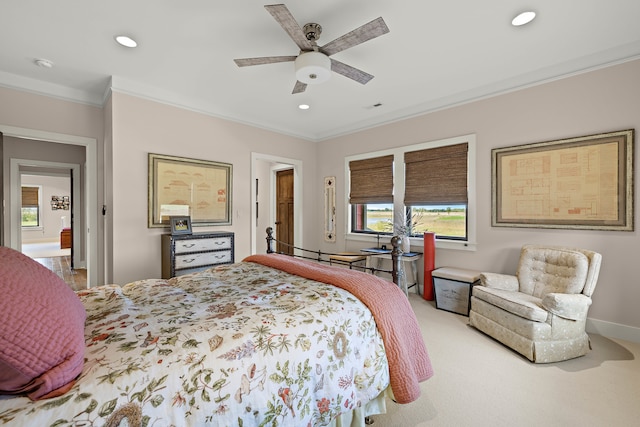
(61, 265)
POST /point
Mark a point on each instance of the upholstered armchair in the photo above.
(541, 311)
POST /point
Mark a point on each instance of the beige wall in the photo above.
(599, 101)
(60, 120)
(141, 127)
(595, 102)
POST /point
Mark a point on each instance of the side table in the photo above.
(380, 254)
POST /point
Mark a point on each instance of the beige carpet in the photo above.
(480, 382)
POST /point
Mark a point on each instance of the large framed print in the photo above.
(576, 183)
(199, 189)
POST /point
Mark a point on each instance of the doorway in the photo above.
(10, 218)
(264, 169)
(47, 222)
(284, 212)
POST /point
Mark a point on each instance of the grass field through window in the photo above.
(30, 217)
(444, 222)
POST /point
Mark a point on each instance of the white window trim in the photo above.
(398, 191)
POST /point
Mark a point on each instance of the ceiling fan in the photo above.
(313, 65)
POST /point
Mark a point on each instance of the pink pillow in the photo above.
(41, 329)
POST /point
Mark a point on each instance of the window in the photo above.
(447, 221)
(436, 190)
(433, 189)
(30, 209)
(372, 218)
(371, 195)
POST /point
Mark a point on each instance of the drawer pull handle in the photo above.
(188, 245)
(188, 261)
(220, 256)
(219, 243)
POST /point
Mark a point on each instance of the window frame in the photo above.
(468, 244)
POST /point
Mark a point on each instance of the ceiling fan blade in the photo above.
(351, 72)
(245, 62)
(368, 31)
(299, 87)
(289, 24)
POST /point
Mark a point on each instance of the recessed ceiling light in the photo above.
(303, 106)
(44, 63)
(126, 41)
(523, 18)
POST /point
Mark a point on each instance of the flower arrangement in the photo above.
(408, 227)
(411, 222)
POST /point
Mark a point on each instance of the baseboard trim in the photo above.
(613, 330)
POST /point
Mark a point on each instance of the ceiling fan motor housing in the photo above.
(312, 31)
(313, 68)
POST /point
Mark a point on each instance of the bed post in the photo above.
(397, 274)
(270, 240)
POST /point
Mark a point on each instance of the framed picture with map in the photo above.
(198, 189)
(576, 183)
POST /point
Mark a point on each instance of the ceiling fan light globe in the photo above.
(313, 68)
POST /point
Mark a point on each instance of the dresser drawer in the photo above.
(203, 258)
(184, 254)
(200, 245)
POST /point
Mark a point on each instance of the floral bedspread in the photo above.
(237, 345)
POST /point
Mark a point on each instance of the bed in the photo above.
(272, 340)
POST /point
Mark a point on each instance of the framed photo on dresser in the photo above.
(180, 225)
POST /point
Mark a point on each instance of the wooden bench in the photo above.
(349, 258)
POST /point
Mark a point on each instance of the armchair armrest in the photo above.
(569, 306)
(499, 281)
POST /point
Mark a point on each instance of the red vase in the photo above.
(429, 264)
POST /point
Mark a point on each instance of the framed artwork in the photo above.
(60, 202)
(180, 225)
(198, 189)
(576, 183)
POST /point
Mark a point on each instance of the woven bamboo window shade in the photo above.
(29, 197)
(371, 180)
(436, 176)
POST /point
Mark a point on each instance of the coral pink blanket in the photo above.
(409, 362)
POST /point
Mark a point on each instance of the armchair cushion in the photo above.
(521, 304)
(552, 270)
(569, 306)
(499, 281)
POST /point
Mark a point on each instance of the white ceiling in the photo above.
(437, 54)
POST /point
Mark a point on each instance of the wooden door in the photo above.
(284, 211)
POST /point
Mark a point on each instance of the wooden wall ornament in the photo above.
(330, 209)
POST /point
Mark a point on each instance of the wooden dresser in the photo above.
(188, 253)
(65, 238)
